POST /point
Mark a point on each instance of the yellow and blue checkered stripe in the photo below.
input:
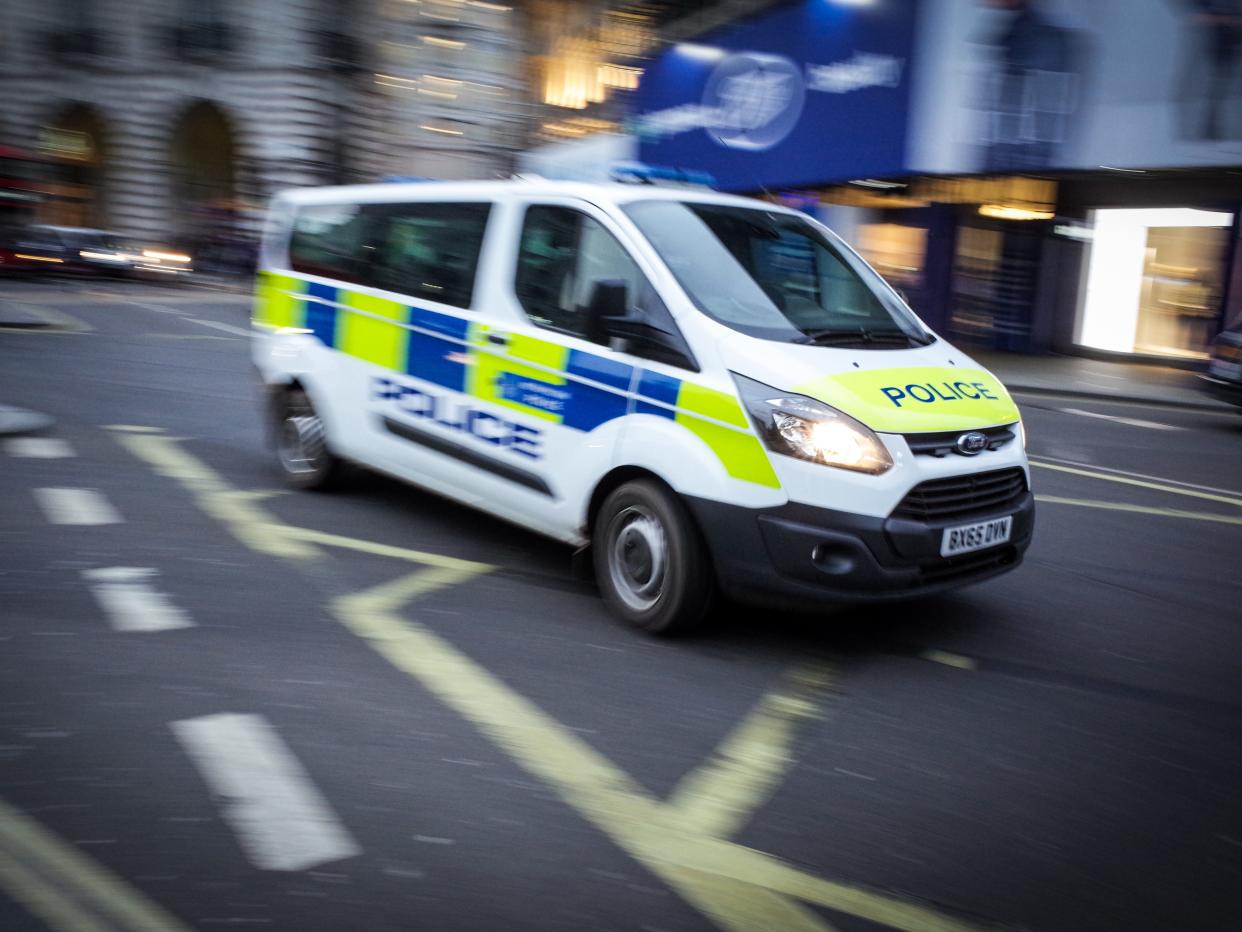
(540, 378)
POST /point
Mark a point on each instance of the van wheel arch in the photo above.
(299, 436)
(650, 560)
(612, 480)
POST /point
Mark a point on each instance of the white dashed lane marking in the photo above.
(76, 506)
(265, 795)
(47, 448)
(133, 604)
(1131, 421)
(227, 328)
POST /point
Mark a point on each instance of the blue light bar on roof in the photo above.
(638, 173)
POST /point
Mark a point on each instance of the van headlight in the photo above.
(795, 425)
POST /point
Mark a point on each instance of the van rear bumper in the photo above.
(803, 555)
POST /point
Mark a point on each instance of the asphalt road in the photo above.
(222, 703)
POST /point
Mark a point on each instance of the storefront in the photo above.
(1154, 280)
(1139, 127)
(1032, 177)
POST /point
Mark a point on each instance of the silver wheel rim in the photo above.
(638, 557)
(301, 444)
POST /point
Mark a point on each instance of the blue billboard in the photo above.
(813, 92)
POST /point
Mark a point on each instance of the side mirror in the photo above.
(609, 302)
(608, 322)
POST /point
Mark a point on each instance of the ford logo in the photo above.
(971, 444)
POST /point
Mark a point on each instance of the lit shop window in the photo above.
(1154, 281)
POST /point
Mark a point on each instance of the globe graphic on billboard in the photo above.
(755, 100)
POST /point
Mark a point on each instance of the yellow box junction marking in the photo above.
(683, 840)
(744, 771)
(65, 888)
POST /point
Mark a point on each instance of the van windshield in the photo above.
(775, 276)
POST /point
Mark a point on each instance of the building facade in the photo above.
(170, 120)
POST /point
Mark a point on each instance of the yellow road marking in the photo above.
(135, 429)
(35, 848)
(740, 889)
(742, 907)
(718, 797)
(386, 550)
(237, 510)
(1158, 486)
(42, 900)
(1140, 509)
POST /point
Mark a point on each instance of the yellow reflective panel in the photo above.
(496, 375)
(273, 305)
(740, 451)
(366, 336)
(917, 400)
(714, 404)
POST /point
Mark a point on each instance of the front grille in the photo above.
(943, 443)
(962, 496)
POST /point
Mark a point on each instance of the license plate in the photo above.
(970, 537)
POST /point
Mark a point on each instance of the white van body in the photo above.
(455, 335)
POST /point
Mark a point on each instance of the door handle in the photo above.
(500, 339)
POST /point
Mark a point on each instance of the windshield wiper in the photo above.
(864, 336)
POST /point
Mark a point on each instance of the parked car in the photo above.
(1224, 375)
(85, 250)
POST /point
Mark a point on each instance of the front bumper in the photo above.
(801, 554)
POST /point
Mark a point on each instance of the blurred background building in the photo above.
(1034, 174)
(176, 120)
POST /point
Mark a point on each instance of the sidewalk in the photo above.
(1100, 380)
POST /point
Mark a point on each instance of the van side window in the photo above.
(427, 250)
(423, 250)
(328, 240)
(563, 253)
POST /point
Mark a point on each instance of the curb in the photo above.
(20, 421)
(1206, 405)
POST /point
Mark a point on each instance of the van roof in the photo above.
(597, 193)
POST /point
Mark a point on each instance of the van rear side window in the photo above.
(328, 240)
(424, 250)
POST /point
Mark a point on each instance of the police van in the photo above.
(701, 392)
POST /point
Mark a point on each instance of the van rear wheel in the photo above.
(651, 564)
(301, 447)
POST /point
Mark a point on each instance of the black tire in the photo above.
(301, 447)
(651, 564)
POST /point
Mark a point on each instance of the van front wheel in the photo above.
(301, 448)
(650, 561)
